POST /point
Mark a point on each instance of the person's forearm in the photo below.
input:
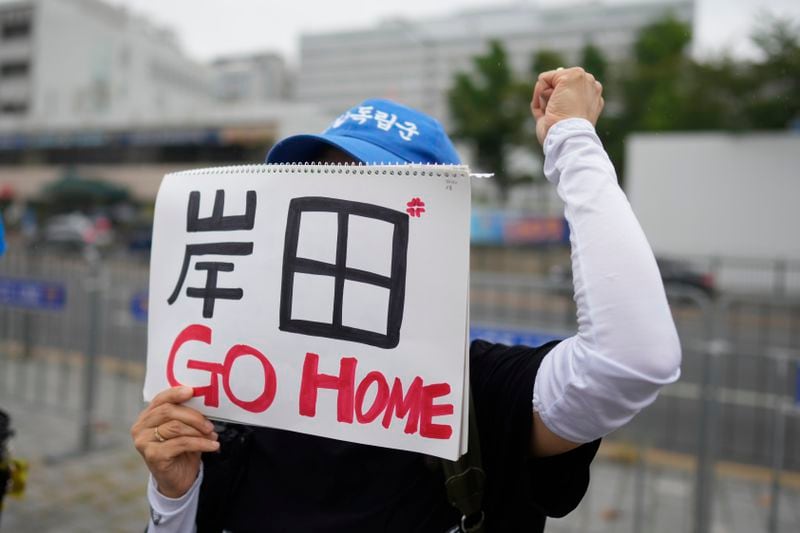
(173, 515)
(626, 347)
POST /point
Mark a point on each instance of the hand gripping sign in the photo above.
(329, 300)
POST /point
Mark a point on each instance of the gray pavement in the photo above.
(100, 491)
(104, 490)
(664, 497)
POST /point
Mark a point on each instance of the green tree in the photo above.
(593, 60)
(660, 89)
(774, 100)
(651, 88)
(713, 96)
(545, 60)
(739, 95)
(489, 111)
(652, 93)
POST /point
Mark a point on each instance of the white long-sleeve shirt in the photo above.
(173, 515)
(626, 346)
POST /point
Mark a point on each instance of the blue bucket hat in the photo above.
(377, 131)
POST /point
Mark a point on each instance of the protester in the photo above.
(540, 411)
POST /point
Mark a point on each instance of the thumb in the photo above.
(541, 98)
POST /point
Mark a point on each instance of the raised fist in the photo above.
(565, 93)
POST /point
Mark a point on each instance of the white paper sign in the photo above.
(328, 300)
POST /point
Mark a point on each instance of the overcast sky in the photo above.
(209, 28)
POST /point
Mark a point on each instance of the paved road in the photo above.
(99, 492)
(45, 393)
(105, 490)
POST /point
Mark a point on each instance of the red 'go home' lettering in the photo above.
(401, 406)
(313, 380)
(378, 404)
(210, 392)
(416, 405)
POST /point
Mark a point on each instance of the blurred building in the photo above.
(84, 83)
(415, 61)
(250, 78)
(84, 62)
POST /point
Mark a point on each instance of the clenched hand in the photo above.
(565, 93)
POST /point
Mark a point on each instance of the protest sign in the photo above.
(324, 299)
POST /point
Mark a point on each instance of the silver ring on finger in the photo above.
(158, 436)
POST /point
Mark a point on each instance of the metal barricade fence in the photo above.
(73, 340)
(518, 302)
(718, 450)
(70, 342)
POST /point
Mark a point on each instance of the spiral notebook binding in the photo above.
(423, 169)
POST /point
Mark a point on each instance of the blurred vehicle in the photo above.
(674, 273)
(681, 274)
(74, 232)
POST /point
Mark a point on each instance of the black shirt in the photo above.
(282, 481)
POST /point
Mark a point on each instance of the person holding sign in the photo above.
(541, 411)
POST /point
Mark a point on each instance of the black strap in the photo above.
(222, 473)
(465, 480)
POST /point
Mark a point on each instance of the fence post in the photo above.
(27, 335)
(780, 273)
(639, 489)
(777, 466)
(33, 267)
(706, 451)
(90, 368)
(780, 368)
